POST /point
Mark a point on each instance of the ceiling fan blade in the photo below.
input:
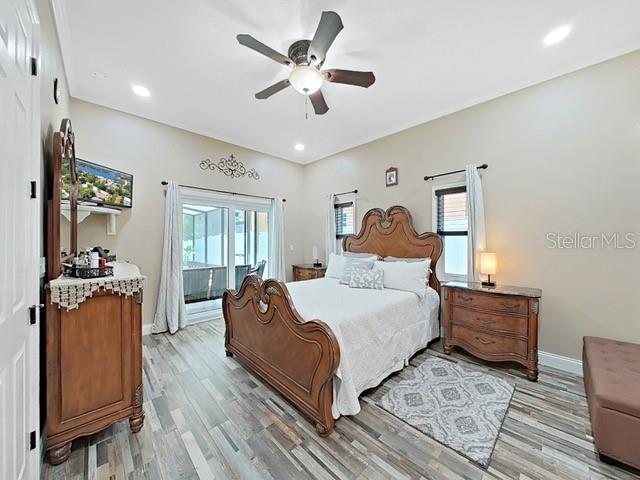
(319, 105)
(253, 44)
(328, 29)
(350, 77)
(275, 88)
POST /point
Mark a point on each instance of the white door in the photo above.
(19, 239)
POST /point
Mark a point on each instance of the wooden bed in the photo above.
(299, 358)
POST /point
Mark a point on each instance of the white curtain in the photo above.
(277, 268)
(170, 309)
(476, 238)
(330, 239)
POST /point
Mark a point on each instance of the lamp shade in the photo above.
(306, 80)
(488, 263)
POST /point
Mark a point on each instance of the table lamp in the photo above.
(488, 265)
(314, 255)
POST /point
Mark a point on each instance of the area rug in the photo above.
(461, 408)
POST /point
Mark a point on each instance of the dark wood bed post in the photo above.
(298, 358)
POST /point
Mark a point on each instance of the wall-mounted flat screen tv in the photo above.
(99, 184)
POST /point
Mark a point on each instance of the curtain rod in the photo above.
(344, 193)
(165, 183)
(429, 177)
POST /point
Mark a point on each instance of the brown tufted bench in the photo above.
(612, 382)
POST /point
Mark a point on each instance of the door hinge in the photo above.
(32, 313)
(32, 440)
(34, 189)
(34, 66)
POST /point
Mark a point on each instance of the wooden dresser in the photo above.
(496, 324)
(94, 366)
(307, 272)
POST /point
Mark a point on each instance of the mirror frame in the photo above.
(63, 148)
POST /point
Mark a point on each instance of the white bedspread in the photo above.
(377, 330)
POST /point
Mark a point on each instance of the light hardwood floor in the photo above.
(207, 417)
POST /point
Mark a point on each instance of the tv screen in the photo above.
(99, 184)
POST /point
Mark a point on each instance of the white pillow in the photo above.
(407, 276)
(335, 266)
(361, 255)
(412, 260)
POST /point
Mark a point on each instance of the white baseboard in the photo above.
(566, 364)
(146, 329)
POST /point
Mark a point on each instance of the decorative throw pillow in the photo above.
(407, 276)
(335, 266)
(351, 263)
(364, 278)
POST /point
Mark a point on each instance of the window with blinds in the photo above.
(452, 211)
(344, 219)
(452, 225)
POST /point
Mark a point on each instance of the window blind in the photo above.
(344, 219)
(452, 211)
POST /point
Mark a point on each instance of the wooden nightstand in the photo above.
(496, 324)
(307, 272)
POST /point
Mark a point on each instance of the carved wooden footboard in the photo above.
(297, 358)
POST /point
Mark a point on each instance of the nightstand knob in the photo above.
(485, 322)
(465, 299)
(485, 342)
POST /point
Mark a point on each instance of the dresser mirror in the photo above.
(63, 202)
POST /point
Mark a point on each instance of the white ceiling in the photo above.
(430, 58)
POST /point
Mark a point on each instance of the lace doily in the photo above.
(71, 292)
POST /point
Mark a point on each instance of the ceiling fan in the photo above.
(306, 57)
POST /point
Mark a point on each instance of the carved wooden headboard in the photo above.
(391, 234)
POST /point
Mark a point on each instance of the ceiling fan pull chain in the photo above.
(306, 107)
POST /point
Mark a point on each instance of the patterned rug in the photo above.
(460, 408)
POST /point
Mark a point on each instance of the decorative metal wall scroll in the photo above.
(230, 167)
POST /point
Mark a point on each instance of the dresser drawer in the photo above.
(490, 302)
(302, 273)
(489, 344)
(488, 321)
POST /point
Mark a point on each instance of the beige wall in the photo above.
(153, 152)
(564, 156)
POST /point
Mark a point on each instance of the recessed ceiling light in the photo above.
(557, 35)
(140, 90)
(299, 147)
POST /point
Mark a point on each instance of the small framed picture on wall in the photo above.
(391, 176)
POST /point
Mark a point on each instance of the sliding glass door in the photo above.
(252, 236)
(224, 239)
(204, 256)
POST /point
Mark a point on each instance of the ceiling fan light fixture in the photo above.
(305, 79)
